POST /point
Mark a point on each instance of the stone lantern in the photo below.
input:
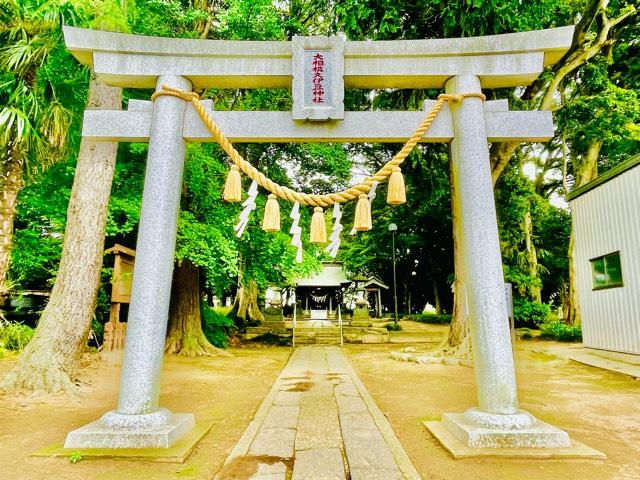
(276, 298)
(273, 316)
(361, 316)
(361, 301)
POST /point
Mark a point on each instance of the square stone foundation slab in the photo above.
(177, 453)
(96, 435)
(530, 443)
(539, 435)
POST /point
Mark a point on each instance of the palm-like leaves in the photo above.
(15, 127)
(55, 124)
(25, 54)
(33, 123)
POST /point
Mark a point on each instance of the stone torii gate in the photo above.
(464, 65)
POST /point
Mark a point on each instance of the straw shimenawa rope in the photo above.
(290, 195)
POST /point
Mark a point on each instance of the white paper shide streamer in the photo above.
(372, 195)
(296, 231)
(334, 238)
(249, 204)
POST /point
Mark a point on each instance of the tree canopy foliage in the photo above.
(595, 101)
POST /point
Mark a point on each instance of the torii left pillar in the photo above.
(139, 421)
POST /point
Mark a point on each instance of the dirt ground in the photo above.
(228, 389)
(596, 407)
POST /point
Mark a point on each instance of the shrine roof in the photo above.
(375, 281)
(331, 275)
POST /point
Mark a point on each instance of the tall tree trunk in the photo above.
(245, 305)
(458, 342)
(571, 305)
(586, 171)
(532, 258)
(50, 361)
(185, 335)
(11, 180)
(587, 168)
(436, 297)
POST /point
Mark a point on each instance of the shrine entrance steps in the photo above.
(318, 422)
(310, 335)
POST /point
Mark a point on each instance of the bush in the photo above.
(216, 326)
(15, 336)
(393, 327)
(432, 318)
(530, 314)
(561, 331)
(525, 334)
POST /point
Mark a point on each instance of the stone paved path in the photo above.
(318, 422)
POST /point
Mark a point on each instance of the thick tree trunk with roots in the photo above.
(11, 181)
(458, 342)
(245, 306)
(185, 335)
(50, 361)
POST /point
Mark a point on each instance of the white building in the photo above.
(606, 229)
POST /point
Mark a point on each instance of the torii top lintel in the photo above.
(499, 61)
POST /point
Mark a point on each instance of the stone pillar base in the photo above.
(106, 433)
(516, 434)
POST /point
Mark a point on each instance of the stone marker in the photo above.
(318, 84)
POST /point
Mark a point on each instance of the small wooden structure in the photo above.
(114, 329)
(373, 287)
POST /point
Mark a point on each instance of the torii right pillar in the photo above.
(497, 421)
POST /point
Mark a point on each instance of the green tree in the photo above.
(35, 114)
(51, 359)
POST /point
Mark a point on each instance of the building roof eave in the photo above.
(605, 177)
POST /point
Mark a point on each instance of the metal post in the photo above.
(340, 325)
(295, 311)
(395, 291)
(395, 288)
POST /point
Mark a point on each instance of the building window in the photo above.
(606, 271)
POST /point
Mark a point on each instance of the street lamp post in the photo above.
(393, 228)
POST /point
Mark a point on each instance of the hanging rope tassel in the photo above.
(233, 186)
(396, 193)
(362, 222)
(271, 219)
(318, 226)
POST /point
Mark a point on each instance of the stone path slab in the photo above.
(625, 363)
(318, 422)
